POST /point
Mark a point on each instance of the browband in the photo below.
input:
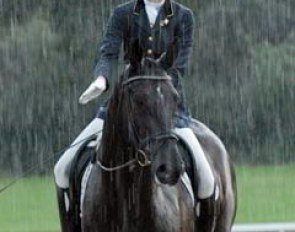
(137, 78)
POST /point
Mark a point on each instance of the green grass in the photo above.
(29, 206)
(266, 194)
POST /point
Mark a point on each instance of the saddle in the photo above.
(79, 164)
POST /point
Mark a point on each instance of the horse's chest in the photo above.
(173, 208)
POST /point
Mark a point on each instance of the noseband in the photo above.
(141, 157)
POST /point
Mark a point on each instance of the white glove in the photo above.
(96, 88)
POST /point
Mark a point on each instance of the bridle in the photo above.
(141, 157)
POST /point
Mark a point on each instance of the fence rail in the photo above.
(268, 227)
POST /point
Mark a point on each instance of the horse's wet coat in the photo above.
(169, 209)
(130, 199)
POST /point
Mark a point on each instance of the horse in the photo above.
(138, 180)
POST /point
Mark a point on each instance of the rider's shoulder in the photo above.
(180, 8)
(124, 8)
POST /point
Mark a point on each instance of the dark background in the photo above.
(241, 81)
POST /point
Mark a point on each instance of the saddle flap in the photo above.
(79, 164)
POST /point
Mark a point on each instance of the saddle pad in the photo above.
(202, 173)
(92, 144)
(84, 185)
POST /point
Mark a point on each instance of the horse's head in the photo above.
(151, 102)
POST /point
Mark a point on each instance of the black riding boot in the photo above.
(207, 214)
(65, 216)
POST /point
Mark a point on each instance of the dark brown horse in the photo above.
(139, 181)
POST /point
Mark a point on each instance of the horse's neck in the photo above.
(131, 187)
(114, 151)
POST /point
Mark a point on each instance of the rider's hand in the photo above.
(96, 88)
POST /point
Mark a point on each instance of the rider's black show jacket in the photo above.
(173, 30)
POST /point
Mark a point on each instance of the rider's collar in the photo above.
(139, 4)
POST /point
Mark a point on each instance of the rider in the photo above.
(157, 25)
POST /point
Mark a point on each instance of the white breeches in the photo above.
(206, 183)
(62, 168)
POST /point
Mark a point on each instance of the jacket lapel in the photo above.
(139, 5)
(141, 18)
(164, 17)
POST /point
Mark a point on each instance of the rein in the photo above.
(141, 157)
(142, 163)
(48, 160)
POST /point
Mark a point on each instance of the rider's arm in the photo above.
(110, 48)
(185, 42)
(109, 52)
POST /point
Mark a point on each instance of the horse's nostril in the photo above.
(162, 169)
(167, 175)
(162, 174)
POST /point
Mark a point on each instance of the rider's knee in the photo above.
(60, 175)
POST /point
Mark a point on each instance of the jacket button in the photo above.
(150, 51)
(150, 38)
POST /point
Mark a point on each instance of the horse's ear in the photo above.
(135, 54)
(161, 58)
